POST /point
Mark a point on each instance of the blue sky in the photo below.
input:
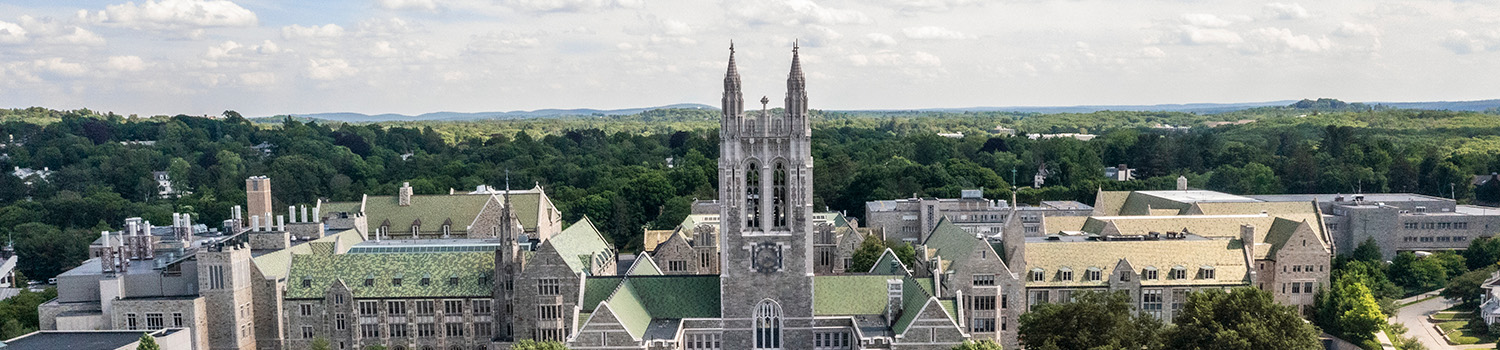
(264, 57)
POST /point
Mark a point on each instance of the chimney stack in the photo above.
(258, 196)
(255, 223)
(280, 223)
(404, 195)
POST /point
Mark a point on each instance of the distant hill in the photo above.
(461, 116)
(1202, 108)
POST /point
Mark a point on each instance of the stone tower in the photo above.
(224, 280)
(765, 184)
(258, 197)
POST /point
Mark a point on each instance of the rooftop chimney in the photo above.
(404, 195)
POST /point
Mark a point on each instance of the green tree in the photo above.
(1094, 320)
(1482, 252)
(320, 343)
(867, 254)
(1253, 178)
(1468, 287)
(528, 344)
(1348, 309)
(978, 345)
(147, 342)
(1369, 250)
(1244, 318)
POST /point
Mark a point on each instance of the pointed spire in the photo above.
(732, 77)
(734, 101)
(795, 81)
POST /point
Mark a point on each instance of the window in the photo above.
(1206, 272)
(825, 258)
(1178, 273)
(396, 281)
(338, 299)
(1296, 288)
(767, 325)
(1429, 225)
(984, 280)
(1444, 225)
(177, 319)
(548, 286)
(1038, 275)
(306, 282)
(340, 321)
(1307, 286)
(1038, 297)
(1149, 273)
(778, 198)
(306, 309)
(548, 312)
(130, 322)
(426, 330)
(1151, 302)
(398, 330)
(369, 330)
(752, 196)
(1333, 226)
(453, 281)
(1093, 274)
(368, 308)
(1460, 225)
(1179, 296)
(395, 308)
(369, 281)
(307, 332)
(483, 330)
(702, 341)
(455, 329)
(154, 321)
(1065, 295)
(983, 324)
(453, 306)
(830, 340)
(482, 306)
(704, 257)
(676, 266)
(1409, 225)
(984, 302)
(424, 307)
(1065, 274)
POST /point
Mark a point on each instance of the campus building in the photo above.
(910, 219)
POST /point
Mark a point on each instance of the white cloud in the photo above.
(324, 31)
(125, 64)
(501, 42)
(424, 5)
(878, 39)
(266, 47)
(57, 66)
(1279, 10)
(177, 14)
(932, 5)
(508, 5)
(11, 33)
(1348, 29)
(385, 27)
(1463, 42)
(1152, 52)
(1282, 39)
(223, 50)
(1205, 20)
(77, 36)
(258, 78)
(933, 32)
(915, 59)
(1208, 36)
(329, 68)
(793, 13)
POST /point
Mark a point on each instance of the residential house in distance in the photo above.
(9, 284)
(1119, 173)
(164, 187)
(1489, 300)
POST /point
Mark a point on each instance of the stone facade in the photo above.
(908, 219)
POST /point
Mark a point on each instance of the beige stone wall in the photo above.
(194, 313)
(48, 314)
(546, 264)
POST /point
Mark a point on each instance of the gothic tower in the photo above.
(765, 190)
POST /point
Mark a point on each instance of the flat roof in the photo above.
(1369, 197)
(79, 340)
(1195, 196)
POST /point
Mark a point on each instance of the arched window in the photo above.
(752, 196)
(767, 325)
(779, 196)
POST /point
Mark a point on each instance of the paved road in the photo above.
(1414, 316)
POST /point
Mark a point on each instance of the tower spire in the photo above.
(733, 102)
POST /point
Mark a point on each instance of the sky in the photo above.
(263, 57)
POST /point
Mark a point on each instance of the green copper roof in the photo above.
(643, 298)
(275, 264)
(339, 207)
(431, 210)
(952, 243)
(598, 288)
(644, 266)
(581, 244)
(913, 298)
(472, 268)
(888, 264)
(840, 295)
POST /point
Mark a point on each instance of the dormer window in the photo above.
(396, 281)
(306, 281)
(453, 280)
(1206, 272)
(414, 230)
(370, 280)
(1038, 275)
(1065, 274)
(1149, 273)
(1093, 274)
(1178, 273)
(426, 279)
(445, 230)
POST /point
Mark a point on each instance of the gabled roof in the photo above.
(462, 209)
(644, 266)
(581, 244)
(471, 268)
(641, 299)
(839, 295)
(889, 264)
(914, 299)
(598, 288)
(276, 264)
(1225, 255)
(952, 243)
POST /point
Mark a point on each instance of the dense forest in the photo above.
(630, 172)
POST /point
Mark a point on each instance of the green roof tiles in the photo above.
(644, 266)
(913, 298)
(839, 295)
(598, 288)
(889, 264)
(630, 311)
(431, 210)
(472, 268)
(275, 264)
(643, 298)
(952, 243)
(580, 244)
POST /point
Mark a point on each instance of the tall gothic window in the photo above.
(767, 325)
(752, 196)
(779, 196)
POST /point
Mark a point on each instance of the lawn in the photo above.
(1450, 315)
(1460, 333)
(1416, 301)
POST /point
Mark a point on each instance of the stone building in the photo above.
(909, 219)
(1399, 221)
(693, 247)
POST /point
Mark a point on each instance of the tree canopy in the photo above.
(1243, 318)
(1093, 320)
